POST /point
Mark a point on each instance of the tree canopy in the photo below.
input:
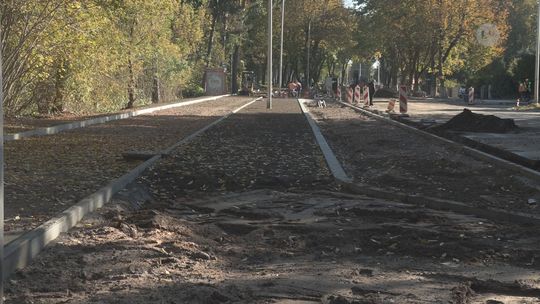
(103, 55)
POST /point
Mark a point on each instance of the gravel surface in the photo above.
(46, 175)
(246, 213)
(387, 157)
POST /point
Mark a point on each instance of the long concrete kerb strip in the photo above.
(99, 120)
(535, 175)
(329, 156)
(21, 251)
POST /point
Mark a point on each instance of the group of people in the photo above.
(295, 88)
(525, 90)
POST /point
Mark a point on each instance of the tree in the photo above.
(432, 37)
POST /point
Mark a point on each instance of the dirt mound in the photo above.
(467, 121)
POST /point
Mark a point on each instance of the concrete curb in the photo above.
(477, 154)
(20, 252)
(85, 123)
(331, 160)
(425, 201)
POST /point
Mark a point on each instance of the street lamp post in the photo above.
(537, 66)
(281, 51)
(269, 100)
(379, 72)
(1, 176)
(308, 56)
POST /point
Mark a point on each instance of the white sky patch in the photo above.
(349, 3)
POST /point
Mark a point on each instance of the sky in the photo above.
(348, 2)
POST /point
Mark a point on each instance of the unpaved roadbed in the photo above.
(46, 175)
(384, 156)
(283, 235)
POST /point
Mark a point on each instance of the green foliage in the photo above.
(419, 38)
(517, 61)
(85, 56)
(193, 91)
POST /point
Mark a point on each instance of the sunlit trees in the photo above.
(97, 55)
(434, 38)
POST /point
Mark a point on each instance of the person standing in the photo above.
(528, 89)
(299, 88)
(522, 91)
(371, 87)
(292, 89)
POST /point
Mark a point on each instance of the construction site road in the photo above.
(248, 213)
(524, 141)
(46, 175)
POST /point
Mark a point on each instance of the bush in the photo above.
(193, 91)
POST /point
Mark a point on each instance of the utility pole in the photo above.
(2, 270)
(537, 66)
(308, 56)
(379, 73)
(269, 100)
(281, 51)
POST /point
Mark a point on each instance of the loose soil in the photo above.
(385, 156)
(206, 226)
(46, 175)
(467, 121)
(24, 123)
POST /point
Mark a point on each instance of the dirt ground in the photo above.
(390, 158)
(22, 123)
(247, 213)
(48, 174)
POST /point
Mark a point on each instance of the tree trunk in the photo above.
(442, 89)
(416, 87)
(59, 87)
(156, 90)
(131, 84)
(211, 39)
(343, 72)
(234, 69)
